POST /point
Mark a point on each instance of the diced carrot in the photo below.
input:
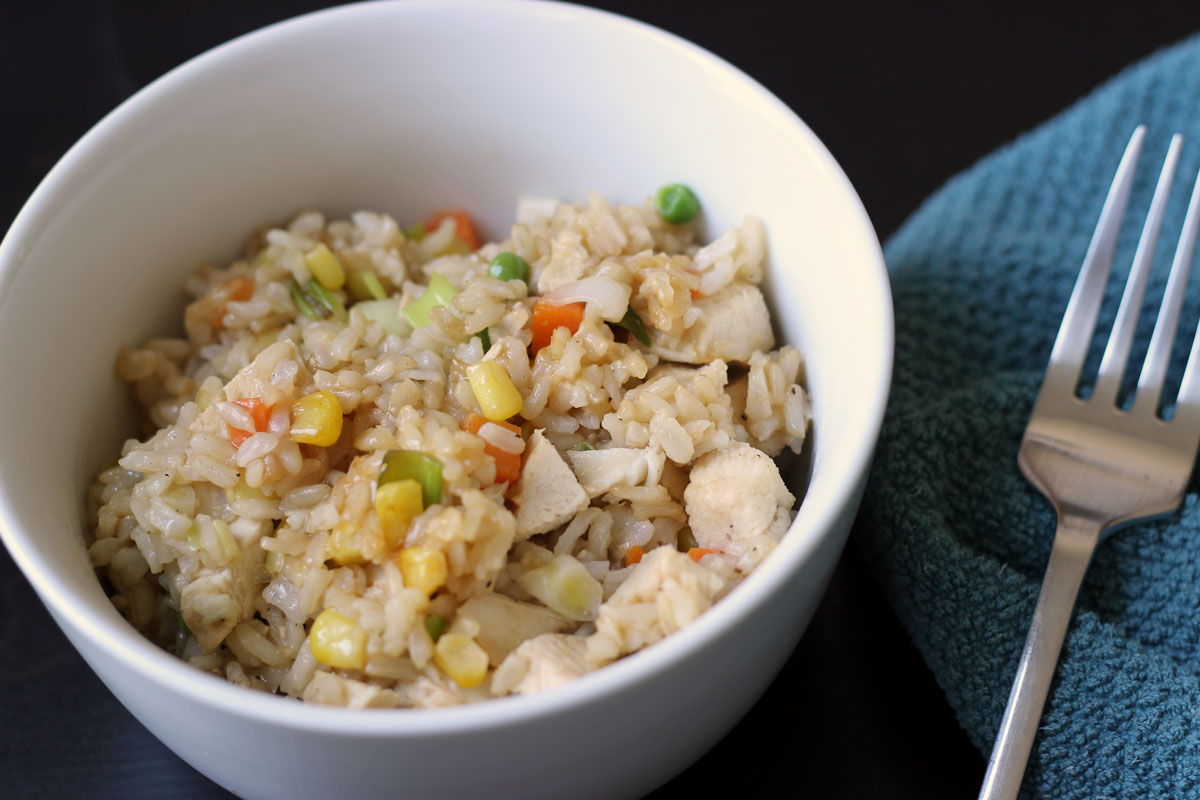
(463, 228)
(634, 555)
(548, 317)
(239, 288)
(508, 465)
(260, 412)
(697, 553)
(696, 294)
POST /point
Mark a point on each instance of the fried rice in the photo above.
(380, 470)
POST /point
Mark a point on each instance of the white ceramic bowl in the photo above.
(405, 107)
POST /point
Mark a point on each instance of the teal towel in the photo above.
(959, 541)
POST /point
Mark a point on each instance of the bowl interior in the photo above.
(416, 107)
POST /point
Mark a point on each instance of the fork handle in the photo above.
(1074, 543)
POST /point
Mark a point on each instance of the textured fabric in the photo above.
(958, 539)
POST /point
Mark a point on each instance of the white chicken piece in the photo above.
(665, 592)
(541, 663)
(503, 623)
(548, 494)
(275, 376)
(203, 605)
(732, 325)
(333, 690)
(599, 471)
(737, 503)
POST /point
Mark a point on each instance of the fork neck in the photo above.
(1079, 532)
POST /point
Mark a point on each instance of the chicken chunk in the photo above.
(215, 601)
(600, 470)
(276, 375)
(548, 493)
(544, 662)
(333, 690)
(737, 503)
(665, 592)
(732, 325)
(503, 624)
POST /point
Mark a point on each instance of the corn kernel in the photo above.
(398, 503)
(317, 419)
(274, 562)
(461, 658)
(325, 267)
(494, 390)
(344, 545)
(422, 568)
(338, 641)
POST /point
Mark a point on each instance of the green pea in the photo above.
(509, 267)
(677, 203)
(435, 626)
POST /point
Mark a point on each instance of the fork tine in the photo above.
(1116, 352)
(1079, 321)
(1154, 371)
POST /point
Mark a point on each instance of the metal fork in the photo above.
(1102, 467)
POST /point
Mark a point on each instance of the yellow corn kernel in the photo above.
(461, 658)
(317, 419)
(494, 390)
(422, 568)
(397, 503)
(274, 562)
(338, 641)
(325, 267)
(344, 546)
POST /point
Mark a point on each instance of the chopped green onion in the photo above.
(509, 267)
(677, 203)
(486, 338)
(387, 313)
(414, 232)
(439, 293)
(364, 285)
(409, 464)
(633, 323)
(686, 540)
(331, 303)
(302, 302)
(584, 447)
(435, 625)
(225, 538)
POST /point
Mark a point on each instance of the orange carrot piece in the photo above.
(508, 465)
(548, 317)
(260, 412)
(696, 294)
(463, 228)
(239, 288)
(697, 553)
(634, 555)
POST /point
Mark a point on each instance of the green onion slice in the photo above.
(426, 470)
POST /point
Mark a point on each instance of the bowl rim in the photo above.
(113, 635)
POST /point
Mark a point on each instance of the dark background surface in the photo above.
(904, 97)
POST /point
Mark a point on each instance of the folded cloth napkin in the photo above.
(958, 539)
